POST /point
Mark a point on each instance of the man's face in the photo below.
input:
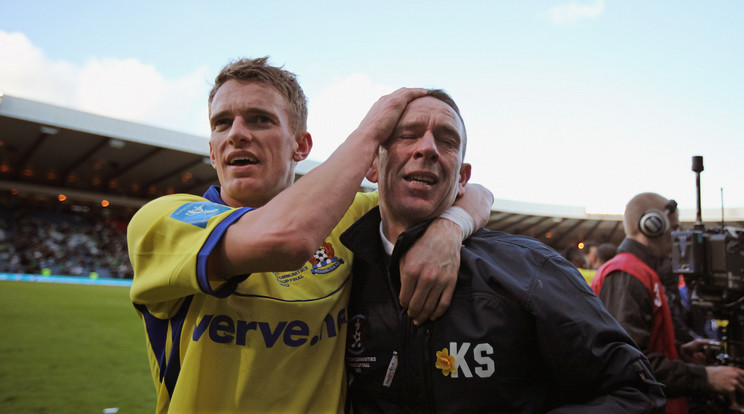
(252, 146)
(419, 169)
(591, 256)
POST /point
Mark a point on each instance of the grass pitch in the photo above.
(71, 349)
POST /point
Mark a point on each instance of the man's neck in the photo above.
(391, 229)
(641, 250)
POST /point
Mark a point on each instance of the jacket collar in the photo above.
(640, 251)
(358, 238)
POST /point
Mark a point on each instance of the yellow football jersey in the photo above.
(268, 342)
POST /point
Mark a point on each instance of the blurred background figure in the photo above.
(574, 255)
(577, 257)
(590, 250)
(605, 252)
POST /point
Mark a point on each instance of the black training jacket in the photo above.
(524, 334)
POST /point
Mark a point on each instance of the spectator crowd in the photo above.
(37, 239)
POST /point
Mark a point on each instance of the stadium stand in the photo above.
(70, 181)
(58, 239)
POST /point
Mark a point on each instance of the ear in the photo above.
(304, 145)
(372, 175)
(212, 158)
(464, 178)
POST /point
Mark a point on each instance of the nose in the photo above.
(426, 147)
(239, 132)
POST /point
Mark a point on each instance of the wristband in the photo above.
(459, 216)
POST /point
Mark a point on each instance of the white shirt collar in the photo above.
(386, 243)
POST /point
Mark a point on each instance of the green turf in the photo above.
(71, 349)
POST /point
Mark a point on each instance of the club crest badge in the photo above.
(356, 335)
(324, 260)
(357, 357)
(321, 262)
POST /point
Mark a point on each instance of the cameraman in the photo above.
(630, 288)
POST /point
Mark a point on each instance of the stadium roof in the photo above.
(49, 148)
(46, 150)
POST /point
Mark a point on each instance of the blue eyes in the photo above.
(258, 120)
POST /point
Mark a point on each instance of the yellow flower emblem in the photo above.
(445, 362)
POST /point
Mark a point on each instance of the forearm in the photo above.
(679, 377)
(429, 269)
(317, 201)
(282, 234)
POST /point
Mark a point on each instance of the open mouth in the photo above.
(420, 179)
(239, 161)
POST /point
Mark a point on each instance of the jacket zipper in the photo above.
(399, 357)
(428, 369)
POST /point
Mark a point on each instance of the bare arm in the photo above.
(429, 269)
(282, 234)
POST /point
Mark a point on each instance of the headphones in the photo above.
(654, 223)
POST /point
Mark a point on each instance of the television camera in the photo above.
(712, 264)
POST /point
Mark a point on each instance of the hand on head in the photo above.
(382, 118)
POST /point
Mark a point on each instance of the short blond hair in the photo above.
(258, 70)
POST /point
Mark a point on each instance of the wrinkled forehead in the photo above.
(241, 94)
(428, 111)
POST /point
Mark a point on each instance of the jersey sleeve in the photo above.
(363, 202)
(170, 240)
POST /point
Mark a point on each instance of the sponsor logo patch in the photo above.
(224, 329)
(198, 213)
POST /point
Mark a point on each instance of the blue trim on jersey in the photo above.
(209, 245)
(244, 295)
(157, 332)
(174, 361)
(213, 195)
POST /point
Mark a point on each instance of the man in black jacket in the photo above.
(524, 333)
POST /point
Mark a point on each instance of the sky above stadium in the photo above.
(568, 102)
